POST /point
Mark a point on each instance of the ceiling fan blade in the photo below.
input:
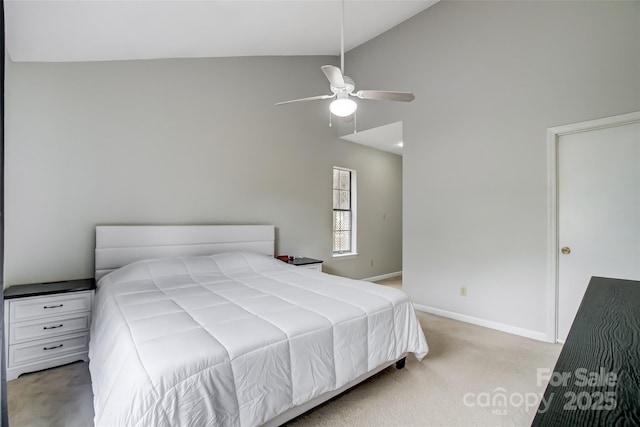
(311, 98)
(384, 95)
(334, 75)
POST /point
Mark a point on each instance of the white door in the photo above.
(598, 212)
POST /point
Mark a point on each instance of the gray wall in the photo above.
(490, 78)
(182, 142)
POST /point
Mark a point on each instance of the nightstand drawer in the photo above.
(35, 351)
(34, 308)
(46, 328)
(316, 267)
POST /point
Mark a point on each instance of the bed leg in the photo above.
(400, 363)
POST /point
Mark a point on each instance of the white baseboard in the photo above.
(540, 336)
(384, 276)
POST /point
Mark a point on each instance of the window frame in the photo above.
(353, 190)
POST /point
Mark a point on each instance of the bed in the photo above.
(200, 325)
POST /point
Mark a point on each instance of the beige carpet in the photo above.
(58, 397)
(467, 367)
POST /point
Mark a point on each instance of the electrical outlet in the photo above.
(463, 291)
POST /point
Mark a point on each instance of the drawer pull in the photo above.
(53, 306)
(53, 348)
(53, 327)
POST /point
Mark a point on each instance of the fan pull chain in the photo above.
(355, 122)
(329, 118)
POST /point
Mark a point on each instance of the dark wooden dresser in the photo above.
(596, 381)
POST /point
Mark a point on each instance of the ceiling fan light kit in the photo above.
(343, 87)
(343, 106)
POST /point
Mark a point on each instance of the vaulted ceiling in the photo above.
(103, 30)
(109, 30)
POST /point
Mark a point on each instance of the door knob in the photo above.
(566, 250)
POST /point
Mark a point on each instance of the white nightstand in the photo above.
(47, 325)
(310, 263)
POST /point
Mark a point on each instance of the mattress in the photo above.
(235, 339)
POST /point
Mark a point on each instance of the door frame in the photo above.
(553, 137)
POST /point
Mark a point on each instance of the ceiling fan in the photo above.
(343, 88)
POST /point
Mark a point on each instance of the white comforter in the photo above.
(235, 339)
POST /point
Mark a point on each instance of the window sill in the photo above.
(346, 255)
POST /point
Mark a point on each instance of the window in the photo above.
(344, 212)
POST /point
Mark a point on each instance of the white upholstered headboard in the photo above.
(119, 245)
